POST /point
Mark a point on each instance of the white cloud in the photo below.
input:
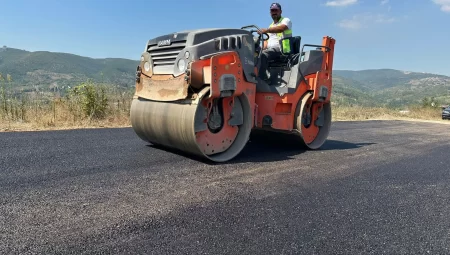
(364, 20)
(383, 19)
(341, 2)
(445, 5)
(383, 2)
(352, 24)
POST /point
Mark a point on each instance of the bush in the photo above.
(91, 98)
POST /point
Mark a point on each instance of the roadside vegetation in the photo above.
(414, 112)
(429, 109)
(88, 104)
(92, 104)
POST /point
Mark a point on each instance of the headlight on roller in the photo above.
(147, 66)
(181, 65)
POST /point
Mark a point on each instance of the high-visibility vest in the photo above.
(286, 33)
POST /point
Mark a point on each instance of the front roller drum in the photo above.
(313, 121)
(216, 129)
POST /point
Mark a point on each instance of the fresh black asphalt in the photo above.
(376, 187)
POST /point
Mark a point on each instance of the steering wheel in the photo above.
(256, 31)
(257, 42)
(261, 36)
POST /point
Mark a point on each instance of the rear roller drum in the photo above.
(313, 121)
(216, 129)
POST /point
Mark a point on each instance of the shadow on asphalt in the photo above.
(269, 151)
(340, 145)
(276, 147)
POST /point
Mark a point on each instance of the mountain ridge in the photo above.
(64, 69)
(49, 71)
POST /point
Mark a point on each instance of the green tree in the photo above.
(93, 99)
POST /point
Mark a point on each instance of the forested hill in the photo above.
(51, 71)
(46, 70)
(392, 87)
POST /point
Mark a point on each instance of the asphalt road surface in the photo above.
(376, 187)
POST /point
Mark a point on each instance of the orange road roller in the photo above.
(200, 91)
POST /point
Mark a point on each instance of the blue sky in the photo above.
(408, 35)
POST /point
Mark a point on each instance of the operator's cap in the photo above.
(275, 6)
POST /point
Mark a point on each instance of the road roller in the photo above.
(200, 92)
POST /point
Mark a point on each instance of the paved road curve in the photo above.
(376, 187)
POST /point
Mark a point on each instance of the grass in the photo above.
(88, 105)
(358, 113)
(92, 105)
(59, 115)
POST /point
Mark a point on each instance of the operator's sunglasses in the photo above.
(274, 10)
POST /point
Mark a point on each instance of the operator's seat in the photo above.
(288, 58)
